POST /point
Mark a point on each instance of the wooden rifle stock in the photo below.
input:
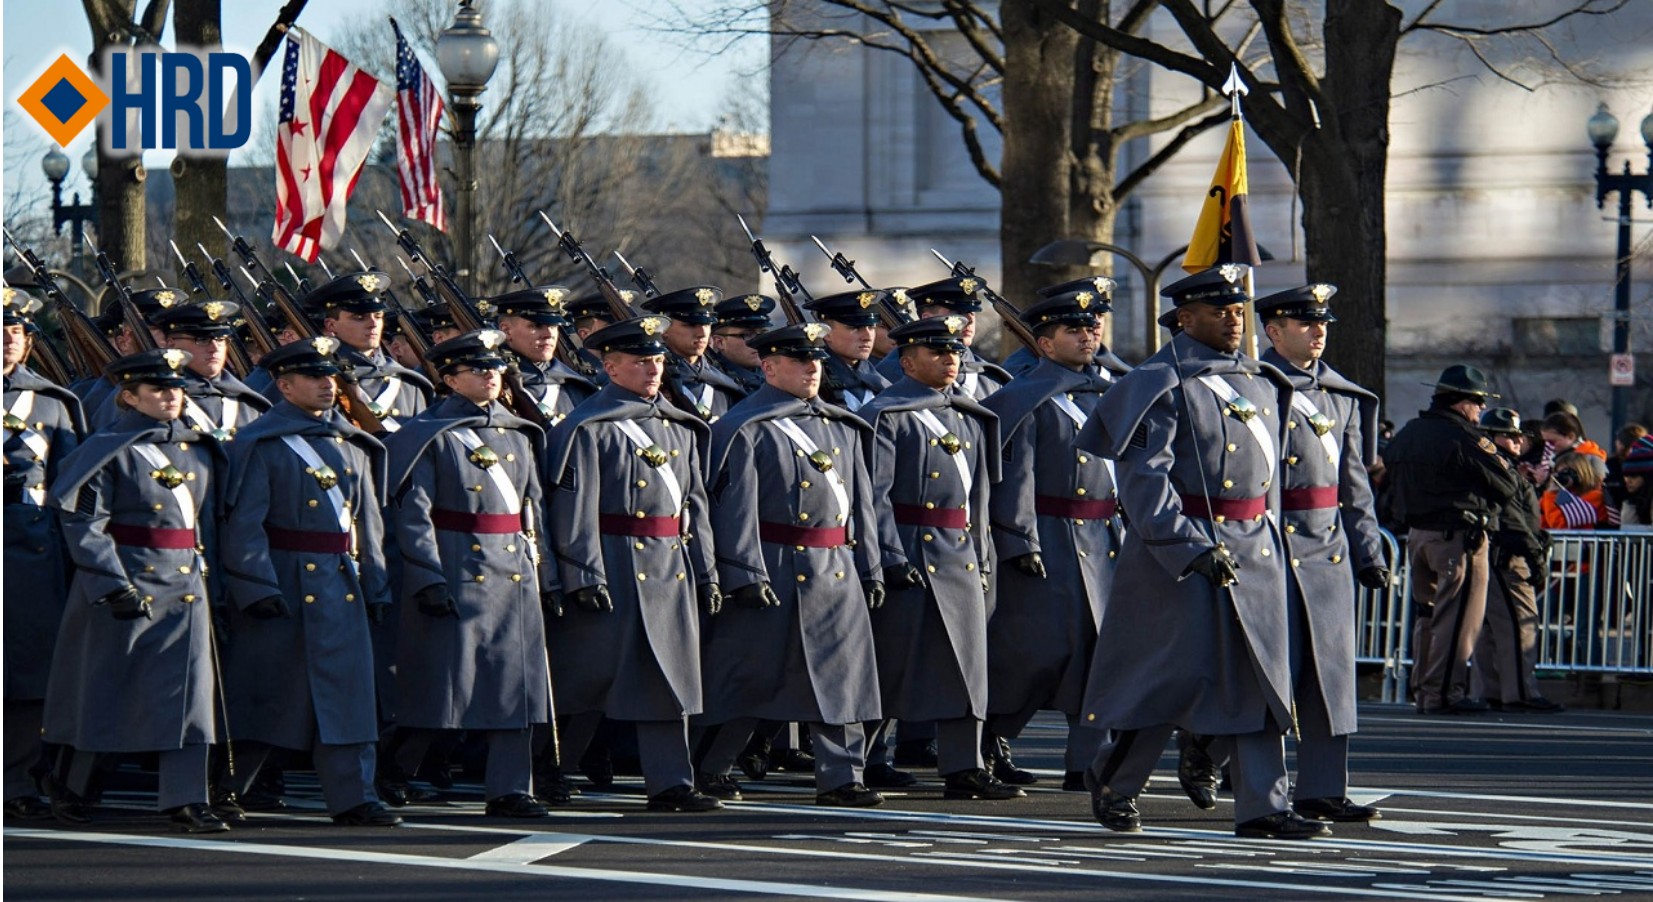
(90, 350)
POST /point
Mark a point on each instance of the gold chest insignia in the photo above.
(1241, 409)
(1321, 423)
(483, 456)
(951, 443)
(15, 423)
(324, 476)
(654, 455)
(168, 476)
(821, 461)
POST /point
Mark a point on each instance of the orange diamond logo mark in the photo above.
(64, 100)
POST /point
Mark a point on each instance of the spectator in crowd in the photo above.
(1562, 432)
(1638, 484)
(1573, 497)
(1613, 487)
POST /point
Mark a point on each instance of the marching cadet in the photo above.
(396, 345)
(303, 562)
(1108, 365)
(533, 320)
(797, 540)
(352, 308)
(935, 453)
(629, 522)
(588, 314)
(849, 378)
(978, 378)
(134, 668)
(1195, 631)
(465, 496)
(1331, 535)
(149, 302)
(690, 378)
(1055, 519)
(215, 401)
(1447, 482)
(739, 319)
(43, 425)
(438, 322)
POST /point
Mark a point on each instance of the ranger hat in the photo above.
(745, 311)
(803, 341)
(205, 319)
(478, 350)
(695, 304)
(944, 332)
(357, 292)
(1463, 379)
(20, 306)
(855, 309)
(542, 305)
(307, 357)
(161, 367)
(1501, 421)
(640, 335)
(1219, 286)
(957, 295)
(1307, 303)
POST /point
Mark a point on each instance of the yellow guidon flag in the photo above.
(1223, 233)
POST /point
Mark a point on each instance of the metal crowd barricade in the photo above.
(1382, 622)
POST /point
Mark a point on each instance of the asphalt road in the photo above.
(1532, 807)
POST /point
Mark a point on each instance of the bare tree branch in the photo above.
(1148, 167)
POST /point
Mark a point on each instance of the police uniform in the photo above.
(303, 564)
(1506, 654)
(1056, 528)
(629, 524)
(748, 312)
(394, 393)
(42, 426)
(851, 384)
(797, 546)
(933, 459)
(978, 377)
(554, 386)
(133, 670)
(698, 386)
(1331, 535)
(1196, 436)
(1447, 483)
(467, 507)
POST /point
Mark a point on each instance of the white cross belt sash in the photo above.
(854, 402)
(383, 400)
(967, 383)
(667, 477)
(548, 399)
(1227, 394)
(932, 423)
(36, 443)
(496, 473)
(312, 460)
(186, 503)
(1301, 403)
(704, 402)
(807, 445)
(198, 417)
(1064, 403)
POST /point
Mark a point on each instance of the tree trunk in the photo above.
(120, 182)
(201, 180)
(1038, 163)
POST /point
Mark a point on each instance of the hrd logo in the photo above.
(156, 100)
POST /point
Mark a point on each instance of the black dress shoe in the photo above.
(683, 798)
(850, 795)
(883, 776)
(1461, 706)
(598, 767)
(718, 786)
(977, 783)
(228, 807)
(795, 761)
(1281, 825)
(1196, 771)
(368, 814)
(553, 787)
(517, 805)
(996, 751)
(196, 817)
(1074, 781)
(28, 808)
(1114, 811)
(1341, 810)
(915, 753)
(753, 760)
(71, 811)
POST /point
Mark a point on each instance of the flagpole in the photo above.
(1235, 89)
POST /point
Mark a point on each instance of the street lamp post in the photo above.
(1602, 128)
(56, 166)
(467, 54)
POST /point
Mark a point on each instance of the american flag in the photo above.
(419, 111)
(331, 112)
(1578, 513)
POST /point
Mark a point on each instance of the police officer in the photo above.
(797, 543)
(1331, 532)
(1055, 517)
(304, 567)
(629, 522)
(693, 381)
(849, 378)
(1196, 632)
(978, 378)
(935, 454)
(352, 308)
(467, 506)
(1506, 654)
(533, 321)
(134, 669)
(1447, 483)
(739, 319)
(42, 425)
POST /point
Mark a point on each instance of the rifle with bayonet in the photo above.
(618, 308)
(426, 293)
(564, 351)
(353, 401)
(142, 338)
(787, 286)
(638, 276)
(890, 314)
(89, 349)
(240, 362)
(258, 329)
(1008, 314)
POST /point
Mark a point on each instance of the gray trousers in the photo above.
(1257, 766)
(662, 748)
(840, 751)
(510, 759)
(345, 771)
(1322, 759)
(23, 749)
(1083, 741)
(183, 775)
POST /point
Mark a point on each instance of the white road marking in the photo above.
(529, 849)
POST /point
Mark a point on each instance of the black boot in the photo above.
(754, 759)
(1196, 770)
(995, 750)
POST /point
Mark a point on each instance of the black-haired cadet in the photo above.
(352, 308)
(1108, 365)
(692, 380)
(534, 320)
(739, 319)
(952, 296)
(849, 378)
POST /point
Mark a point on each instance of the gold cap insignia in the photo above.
(754, 302)
(866, 299)
(554, 296)
(490, 338)
(652, 325)
(324, 345)
(968, 286)
(1103, 284)
(370, 282)
(627, 295)
(1322, 292)
(174, 358)
(1231, 272)
(9, 293)
(705, 296)
(1083, 299)
(213, 309)
(815, 331)
(166, 298)
(955, 324)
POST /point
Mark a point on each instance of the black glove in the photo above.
(757, 596)
(126, 604)
(903, 576)
(270, 608)
(1031, 564)
(1374, 577)
(434, 601)
(1538, 573)
(874, 590)
(551, 602)
(1218, 566)
(711, 598)
(378, 613)
(592, 598)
